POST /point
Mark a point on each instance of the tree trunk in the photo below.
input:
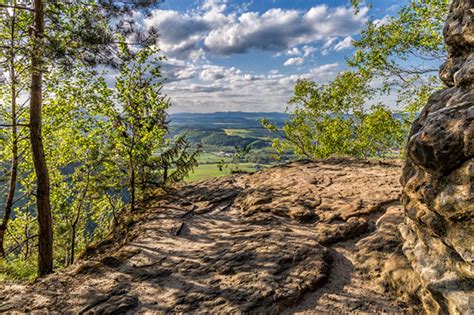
(132, 184)
(27, 243)
(76, 220)
(45, 236)
(14, 162)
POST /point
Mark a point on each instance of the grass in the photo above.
(207, 171)
(211, 158)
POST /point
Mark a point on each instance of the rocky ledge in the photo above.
(308, 237)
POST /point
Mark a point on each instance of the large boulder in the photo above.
(438, 178)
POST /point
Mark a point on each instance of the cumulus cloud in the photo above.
(328, 44)
(220, 28)
(308, 50)
(212, 29)
(323, 71)
(294, 61)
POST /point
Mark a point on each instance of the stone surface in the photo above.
(438, 178)
(301, 238)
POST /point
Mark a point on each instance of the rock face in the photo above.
(438, 178)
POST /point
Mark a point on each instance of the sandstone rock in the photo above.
(438, 178)
(252, 244)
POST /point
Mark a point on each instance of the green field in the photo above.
(238, 132)
(211, 158)
(207, 171)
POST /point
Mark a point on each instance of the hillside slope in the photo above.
(305, 237)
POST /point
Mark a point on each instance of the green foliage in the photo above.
(175, 162)
(18, 268)
(92, 133)
(330, 119)
(399, 55)
(405, 51)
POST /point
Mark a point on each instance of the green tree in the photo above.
(399, 54)
(77, 132)
(331, 119)
(12, 110)
(64, 33)
(404, 51)
(171, 164)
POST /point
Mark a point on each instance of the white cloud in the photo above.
(217, 88)
(294, 61)
(293, 52)
(308, 50)
(323, 71)
(344, 44)
(219, 27)
(213, 29)
(383, 21)
(326, 48)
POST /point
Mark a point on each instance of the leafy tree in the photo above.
(139, 118)
(331, 119)
(403, 53)
(76, 130)
(64, 33)
(12, 110)
(171, 164)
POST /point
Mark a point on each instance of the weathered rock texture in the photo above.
(438, 178)
(302, 238)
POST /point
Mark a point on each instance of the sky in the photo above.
(225, 55)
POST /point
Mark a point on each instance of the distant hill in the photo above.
(223, 120)
(224, 132)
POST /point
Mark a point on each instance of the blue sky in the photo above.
(225, 55)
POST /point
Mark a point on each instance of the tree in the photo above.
(77, 130)
(344, 116)
(140, 117)
(58, 31)
(45, 240)
(173, 163)
(404, 52)
(331, 119)
(11, 25)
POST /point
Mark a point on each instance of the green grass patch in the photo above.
(211, 158)
(244, 133)
(207, 171)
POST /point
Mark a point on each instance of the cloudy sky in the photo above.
(225, 55)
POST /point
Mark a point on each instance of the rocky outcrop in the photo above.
(438, 178)
(307, 237)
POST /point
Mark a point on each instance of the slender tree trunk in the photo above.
(76, 221)
(165, 173)
(27, 243)
(14, 163)
(132, 184)
(132, 172)
(45, 236)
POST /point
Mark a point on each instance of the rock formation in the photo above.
(438, 178)
(307, 237)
